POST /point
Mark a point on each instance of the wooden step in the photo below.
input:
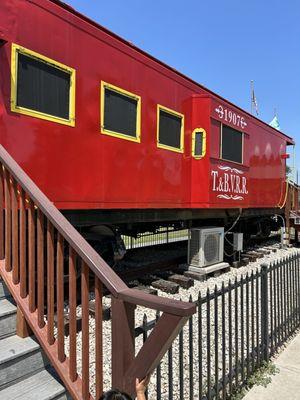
(19, 358)
(8, 317)
(4, 292)
(41, 386)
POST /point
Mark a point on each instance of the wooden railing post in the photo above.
(160, 339)
(7, 221)
(15, 234)
(23, 246)
(23, 329)
(122, 341)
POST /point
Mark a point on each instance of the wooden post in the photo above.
(158, 342)
(122, 341)
(23, 329)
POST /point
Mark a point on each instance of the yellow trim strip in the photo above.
(15, 50)
(285, 196)
(203, 131)
(177, 114)
(137, 138)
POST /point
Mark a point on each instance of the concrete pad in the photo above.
(209, 269)
(285, 384)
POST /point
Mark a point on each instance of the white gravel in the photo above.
(184, 294)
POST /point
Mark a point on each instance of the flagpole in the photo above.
(294, 163)
(252, 90)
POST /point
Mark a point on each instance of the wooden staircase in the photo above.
(25, 373)
(49, 268)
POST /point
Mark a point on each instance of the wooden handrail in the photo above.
(170, 306)
(41, 249)
(93, 260)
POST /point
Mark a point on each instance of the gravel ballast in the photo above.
(199, 288)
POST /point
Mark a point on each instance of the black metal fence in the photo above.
(162, 236)
(237, 328)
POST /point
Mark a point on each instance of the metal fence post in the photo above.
(264, 302)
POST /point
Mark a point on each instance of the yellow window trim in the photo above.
(177, 114)
(203, 131)
(137, 138)
(16, 49)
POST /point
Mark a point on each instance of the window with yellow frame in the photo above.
(199, 143)
(120, 113)
(42, 87)
(170, 129)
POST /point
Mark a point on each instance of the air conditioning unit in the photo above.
(206, 247)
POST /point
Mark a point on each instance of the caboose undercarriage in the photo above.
(104, 228)
(85, 218)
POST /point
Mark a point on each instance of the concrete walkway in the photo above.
(285, 385)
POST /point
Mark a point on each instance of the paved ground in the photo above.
(286, 384)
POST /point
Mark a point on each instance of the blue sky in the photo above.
(222, 44)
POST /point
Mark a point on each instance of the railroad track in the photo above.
(164, 268)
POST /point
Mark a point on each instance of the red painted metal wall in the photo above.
(81, 168)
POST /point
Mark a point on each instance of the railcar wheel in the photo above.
(107, 242)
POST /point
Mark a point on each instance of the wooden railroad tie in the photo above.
(263, 252)
(146, 289)
(166, 286)
(251, 256)
(183, 281)
(245, 261)
(271, 249)
(236, 264)
(195, 275)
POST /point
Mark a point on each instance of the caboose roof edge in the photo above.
(67, 7)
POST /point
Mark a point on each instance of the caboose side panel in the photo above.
(79, 166)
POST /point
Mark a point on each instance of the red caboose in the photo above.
(116, 138)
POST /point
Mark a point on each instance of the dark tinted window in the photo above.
(169, 129)
(43, 87)
(198, 149)
(120, 113)
(232, 144)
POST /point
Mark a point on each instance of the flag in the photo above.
(275, 123)
(254, 101)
